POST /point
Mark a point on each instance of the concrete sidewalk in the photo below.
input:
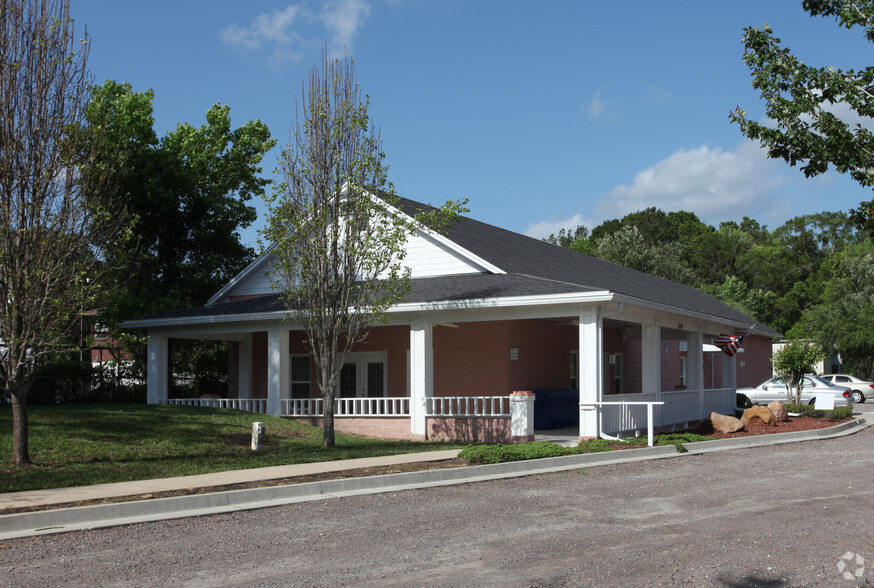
(52, 496)
(123, 513)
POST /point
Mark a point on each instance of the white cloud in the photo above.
(544, 229)
(343, 19)
(596, 105)
(715, 184)
(287, 32)
(271, 30)
(659, 94)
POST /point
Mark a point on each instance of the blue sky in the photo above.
(544, 114)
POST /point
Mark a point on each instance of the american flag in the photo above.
(730, 344)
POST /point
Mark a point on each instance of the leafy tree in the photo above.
(843, 323)
(804, 103)
(798, 357)
(338, 247)
(566, 238)
(57, 222)
(628, 248)
(189, 194)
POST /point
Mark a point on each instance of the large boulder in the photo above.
(725, 424)
(778, 409)
(758, 414)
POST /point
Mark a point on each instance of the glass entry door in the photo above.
(363, 376)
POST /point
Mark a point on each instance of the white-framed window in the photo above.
(300, 376)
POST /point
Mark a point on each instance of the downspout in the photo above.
(601, 432)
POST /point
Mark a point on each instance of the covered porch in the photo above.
(451, 374)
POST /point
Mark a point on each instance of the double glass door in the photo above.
(363, 376)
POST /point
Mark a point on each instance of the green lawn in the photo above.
(76, 445)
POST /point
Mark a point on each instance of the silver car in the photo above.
(857, 387)
(775, 389)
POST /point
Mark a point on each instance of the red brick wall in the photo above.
(469, 430)
(754, 364)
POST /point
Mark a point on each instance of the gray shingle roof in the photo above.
(533, 268)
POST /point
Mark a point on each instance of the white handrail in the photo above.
(649, 417)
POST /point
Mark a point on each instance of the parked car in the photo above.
(857, 387)
(775, 389)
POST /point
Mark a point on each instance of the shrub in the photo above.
(840, 413)
(500, 453)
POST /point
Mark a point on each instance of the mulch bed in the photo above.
(793, 424)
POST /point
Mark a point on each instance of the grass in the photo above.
(83, 444)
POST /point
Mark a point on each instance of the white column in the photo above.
(591, 376)
(694, 375)
(729, 372)
(522, 416)
(244, 367)
(421, 372)
(157, 376)
(650, 359)
(278, 369)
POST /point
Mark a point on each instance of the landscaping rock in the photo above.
(778, 409)
(758, 414)
(725, 424)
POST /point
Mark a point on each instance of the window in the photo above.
(300, 376)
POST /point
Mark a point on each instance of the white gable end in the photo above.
(427, 258)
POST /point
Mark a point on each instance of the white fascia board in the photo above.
(443, 240)
(507, 302)
(413, 307)
(676, 310)
(247, 271)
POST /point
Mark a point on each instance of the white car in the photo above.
(775, 389)
(857, 387)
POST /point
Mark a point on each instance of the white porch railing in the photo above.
(348, 407)
(467, 406)
(648, 406)
(258, 405)
(622, 413)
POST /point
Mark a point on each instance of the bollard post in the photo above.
(258, 430)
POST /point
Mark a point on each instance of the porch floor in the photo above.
(568, 437)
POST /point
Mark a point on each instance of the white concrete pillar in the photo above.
(729, 372)
(244, 367)
(278, 370)
(522, 416)
(421, 372)
(650, 358)
(694, 375)
(591, 375)
(157, 378)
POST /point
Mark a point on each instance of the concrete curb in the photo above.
(125, 513)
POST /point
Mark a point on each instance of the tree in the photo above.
(843, 323)
(338, 246)
(627, 247)
(189, 194)
(804, 103)
(798, 357)
(56, 221)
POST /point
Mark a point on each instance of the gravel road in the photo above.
(784, 515)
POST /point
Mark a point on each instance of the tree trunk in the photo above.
(20, 451)
(328, 413)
